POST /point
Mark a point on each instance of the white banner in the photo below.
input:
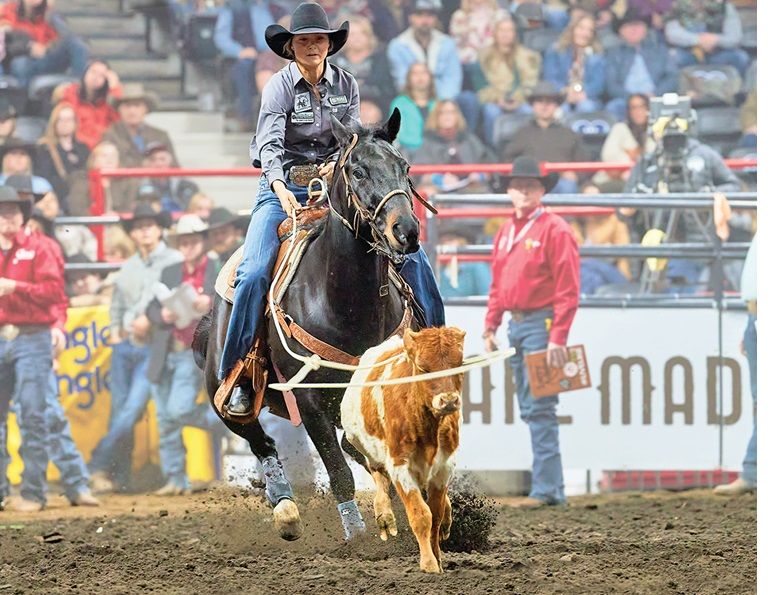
(653, 404)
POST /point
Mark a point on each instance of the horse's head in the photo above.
(378, 191)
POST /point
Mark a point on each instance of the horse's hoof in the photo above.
(287, 520)
(352, 521)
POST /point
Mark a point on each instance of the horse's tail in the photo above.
(201, 339)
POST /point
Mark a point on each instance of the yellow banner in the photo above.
(83, 380)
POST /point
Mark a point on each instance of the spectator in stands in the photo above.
(747, 481)
(601, 230)
(7, 120)
(707, 31)
(73, 239)
(90, 100)
(749, 121)
(18, 157)
(360, 57)
(626, 141)
(415, 103)
(575, 64)
(472, 27)
(129, 332)
(119, 193)
(503, 76)
(423, 42)
(118, 246)
(174, 192)
(131, 134)
(39, 41)
(371, 114)
(31, 290)
(84, 287)
(447, 140)
(176, 379)
(461, 279)
(655, 11)
(390, 17)
(639, 65)
(240, 36)
(546, 139)
(60, 154)
(535, 278)
(200, 204)
(224, 235)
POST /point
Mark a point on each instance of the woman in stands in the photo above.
(90, 98)
(415, 103)
(505, 72)
(447, 140)
(626, 141)
(472, 26)
(575, 64)
(294, 134)
(60, 152)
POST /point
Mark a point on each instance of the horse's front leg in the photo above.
(277, 487)
(324, 436)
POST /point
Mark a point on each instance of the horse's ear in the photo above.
(341, 132)
(393, 125)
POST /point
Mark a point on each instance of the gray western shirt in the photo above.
(294, 127)
(134, 286)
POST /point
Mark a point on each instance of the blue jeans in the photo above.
(130, 392)
(62, 449)
(736, 57)
(175, 398)
(25, 368)
(245, 85)
(69, 53)
(595, 273)
(750, 345)
(539, 414)
(253, 277)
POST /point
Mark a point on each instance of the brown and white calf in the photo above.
(409, 433)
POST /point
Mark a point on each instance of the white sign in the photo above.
(654, 403)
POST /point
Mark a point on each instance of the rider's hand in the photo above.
(58, 341)
(327, 170)
(288, 200)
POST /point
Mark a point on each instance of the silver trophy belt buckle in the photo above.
(9, 332)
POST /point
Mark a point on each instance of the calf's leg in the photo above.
(419, 516)
(383, 509)
(446, 522)
(436, 503)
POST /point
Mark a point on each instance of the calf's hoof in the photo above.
(287, 520)
(387, 524)
(431, 566)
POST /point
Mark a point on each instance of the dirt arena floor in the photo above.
(222, 541)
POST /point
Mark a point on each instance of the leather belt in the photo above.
(519, 315)
(301, 175)
(10, 331)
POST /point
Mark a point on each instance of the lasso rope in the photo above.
(315, 362)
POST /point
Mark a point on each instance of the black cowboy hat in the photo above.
(25, 184)
(631, 16)
(8, 195)
(17, 144)
(545, 90)
(308, 17)
(145, 211)
(220, 216)
(528, 167)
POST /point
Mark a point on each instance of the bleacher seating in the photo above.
(719, 127)
(30, 128)
(593, 127)
(505, 127)
(13, 93)
(710, 84)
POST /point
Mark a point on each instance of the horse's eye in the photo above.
(359, 174)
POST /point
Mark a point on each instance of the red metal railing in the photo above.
(96, 178)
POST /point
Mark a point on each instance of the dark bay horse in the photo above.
(336, 295)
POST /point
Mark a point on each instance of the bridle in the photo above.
(378, 243)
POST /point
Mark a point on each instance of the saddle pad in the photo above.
(225, 284)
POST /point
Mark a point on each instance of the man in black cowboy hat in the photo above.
(175, 192)
(225, 236)
(18, 157)
(536, 278)
(31, 292)
(240, 36)
(547, 139)
(129, 332)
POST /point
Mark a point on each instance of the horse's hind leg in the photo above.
(277, 487)
(324, 437)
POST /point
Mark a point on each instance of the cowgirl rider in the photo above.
(294, 128)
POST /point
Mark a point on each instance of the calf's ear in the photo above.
(409, 344)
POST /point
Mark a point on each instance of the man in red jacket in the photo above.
(31, 287)
(536, 278)
(39, 41)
